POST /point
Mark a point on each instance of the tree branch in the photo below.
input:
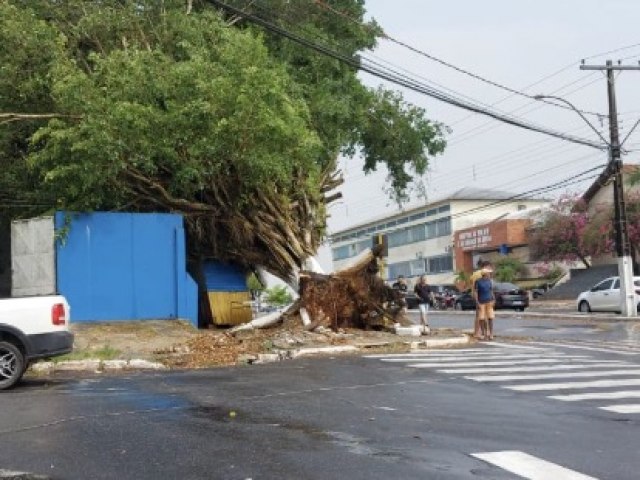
(17, 117)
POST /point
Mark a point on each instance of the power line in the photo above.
(355, 63)
(440, 61)
(567, 182)
(491, 126)
(573, 179)
(288, 20)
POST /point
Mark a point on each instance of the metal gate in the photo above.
(33, 257)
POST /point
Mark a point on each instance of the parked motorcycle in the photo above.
(444, 301)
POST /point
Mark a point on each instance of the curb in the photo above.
(612, 317)
(10, 474)
(94, 365)
(99, 366)
(281, 355)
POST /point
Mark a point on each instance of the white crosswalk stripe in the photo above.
(474, 357)
(619, 395)
(596, 347)
(537, 387)
(547, 376)
(530, 467)
(540, 369)
(492, 363)
(635, 408)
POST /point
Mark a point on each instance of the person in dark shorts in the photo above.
(425, 299)
(483, 295)
(478, 329)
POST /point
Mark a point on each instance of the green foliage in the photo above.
(278, 295)
(106, 352)
(462, 277)
(507, 269)
(555, 272)
(160, 110)
(254, 284)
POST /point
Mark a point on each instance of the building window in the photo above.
(417, 233)
(340, 253)
(431, 230)
(417, 267)
(397, 269)
(397, 238)
(522, 207)
(444, 208)
(440, 264)
(444, 227)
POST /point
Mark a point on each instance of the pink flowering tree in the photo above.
(557, 236)
(570, 231)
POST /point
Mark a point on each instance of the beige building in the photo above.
(421, 239)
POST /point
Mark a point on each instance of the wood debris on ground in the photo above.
(341, 307)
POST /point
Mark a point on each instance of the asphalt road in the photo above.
(346, 417)
(550, 326)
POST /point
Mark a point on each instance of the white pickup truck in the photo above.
(31, 328)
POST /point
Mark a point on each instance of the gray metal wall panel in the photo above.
(33, 257)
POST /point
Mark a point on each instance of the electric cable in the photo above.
(434, 93)
(431, 57)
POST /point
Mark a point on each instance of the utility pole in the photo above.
(623, 246)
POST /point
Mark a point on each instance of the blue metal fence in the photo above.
(124, 266)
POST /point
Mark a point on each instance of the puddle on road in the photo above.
(351, 443)
(134, 399)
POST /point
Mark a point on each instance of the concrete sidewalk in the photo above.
(170, 344)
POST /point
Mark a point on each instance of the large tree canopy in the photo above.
(175, 106)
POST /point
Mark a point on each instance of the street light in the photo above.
(575, 109)
(625, 269)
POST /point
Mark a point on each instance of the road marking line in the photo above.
(495, 344)
(485, 364)
(631, 408)
(574, 385)
(593, 349)
(451, 353)
(473, 357)
(545, 376)
(530, 467)
(614, 345)
(576, 397)
(543, 368)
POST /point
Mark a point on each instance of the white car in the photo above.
(605, 296)
(31, 328)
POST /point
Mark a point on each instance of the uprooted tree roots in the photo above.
(355, 297)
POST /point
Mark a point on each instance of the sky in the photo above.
(531, 46)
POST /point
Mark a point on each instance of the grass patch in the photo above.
(105, 353)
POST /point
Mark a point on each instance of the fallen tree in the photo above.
(354, 297)
(138, 105)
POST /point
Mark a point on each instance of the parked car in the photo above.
(31, 328)
(605, 296)
(507, 295)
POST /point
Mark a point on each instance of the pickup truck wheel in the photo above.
(12, 364)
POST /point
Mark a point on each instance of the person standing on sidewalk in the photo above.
(401, 287)
(425, 300)
(483, 295)
(478, 331)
